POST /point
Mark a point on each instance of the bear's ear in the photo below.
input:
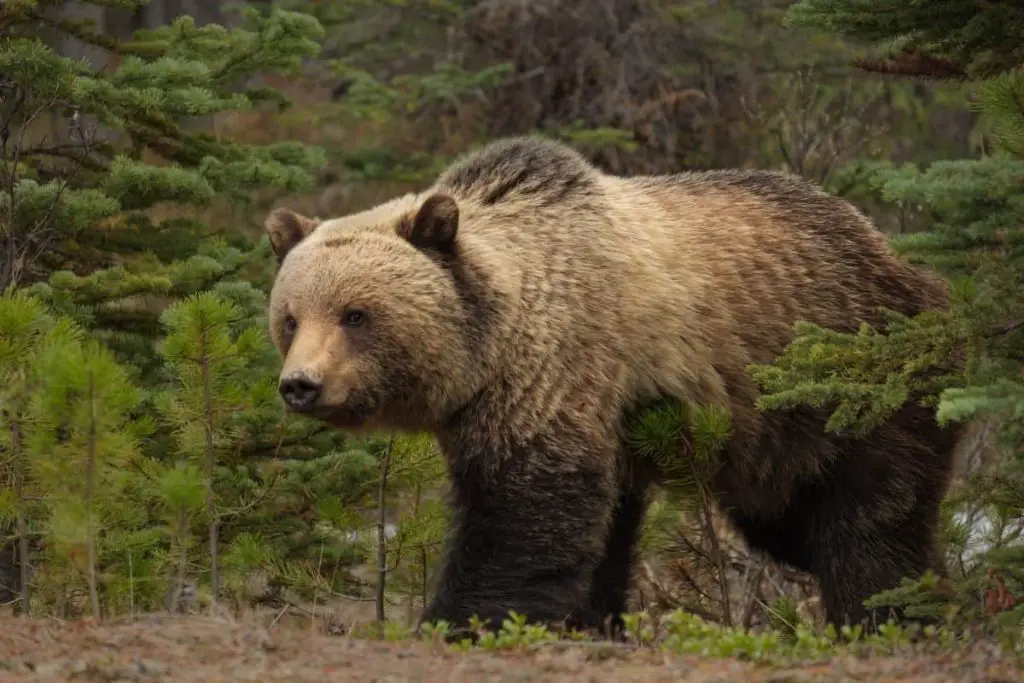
(286, 229)
(435, 224)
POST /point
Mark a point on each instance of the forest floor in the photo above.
(163, 648)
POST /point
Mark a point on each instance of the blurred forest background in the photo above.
(145, 459)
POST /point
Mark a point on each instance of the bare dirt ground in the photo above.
(165, 649)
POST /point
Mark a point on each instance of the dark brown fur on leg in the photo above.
(607, 598)
(526, 535)
(876, 523)
(870, 521)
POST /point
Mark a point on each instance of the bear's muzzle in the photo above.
(300, 391)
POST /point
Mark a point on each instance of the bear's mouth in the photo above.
(343, 417)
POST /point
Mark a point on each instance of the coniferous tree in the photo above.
(83, 442)
(213, 384)
(85, 214)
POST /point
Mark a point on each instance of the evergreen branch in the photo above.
(238, 60)
(45, 237)
(913, 62)
(70, 153)
(81, 29)
(16, 259)
(265, 492)
(284, 442)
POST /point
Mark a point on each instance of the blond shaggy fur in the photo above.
(526, 302)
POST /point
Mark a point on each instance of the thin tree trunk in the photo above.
(410, 616)
(90, 487)
(753, 580)
(131, 587)
(211, 503)
(716, 550)
(423, 574)
(21, 526)
(382, 566)
(178, 584)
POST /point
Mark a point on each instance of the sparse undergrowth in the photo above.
(682, 633)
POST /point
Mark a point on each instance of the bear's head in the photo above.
(367, 314)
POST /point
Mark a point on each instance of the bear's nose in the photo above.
(300, 391)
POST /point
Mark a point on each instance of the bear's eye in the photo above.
(290, 323)
(353, 318)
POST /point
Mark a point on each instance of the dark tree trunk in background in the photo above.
(8, 569)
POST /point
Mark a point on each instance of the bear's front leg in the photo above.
(530, 525)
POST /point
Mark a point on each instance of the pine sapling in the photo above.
(83, 424)
(213, 384)
(27, 331)
(683, 441)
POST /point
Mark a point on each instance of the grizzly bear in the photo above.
(524, 305)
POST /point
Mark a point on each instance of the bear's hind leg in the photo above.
(873, 519)
(530, 526)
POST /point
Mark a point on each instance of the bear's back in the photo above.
(663, 284)
(760, 250)
(673, 283)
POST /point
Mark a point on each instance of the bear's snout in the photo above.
(300, 391)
